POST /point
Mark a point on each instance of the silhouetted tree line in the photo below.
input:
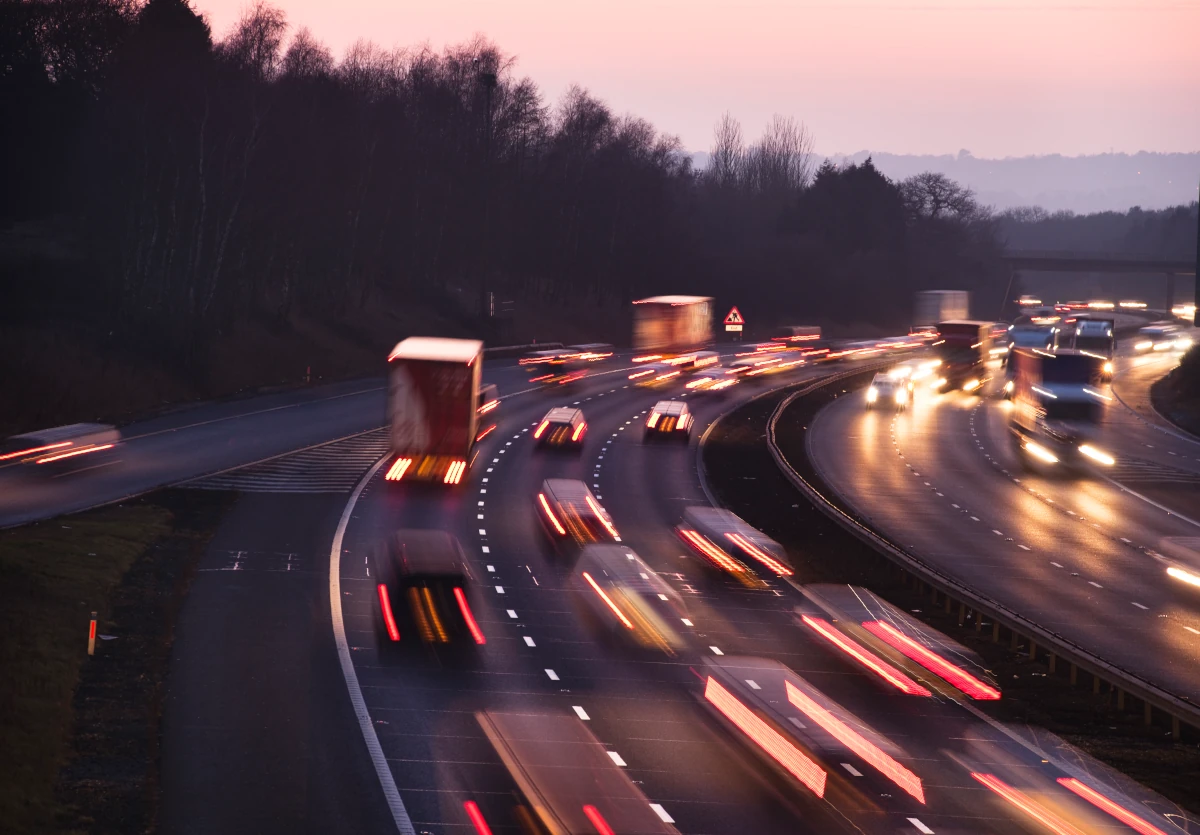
(1162, 233)
(165, 187)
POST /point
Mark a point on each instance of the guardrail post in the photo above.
(1095, 684)
(1032, 650)
(948, 602)
(1147, 713)
(1053, 658)
(1074, 675)
(1175, 729)
(962, 613)
(1120, 699)
(1015, 641)
(995, 632)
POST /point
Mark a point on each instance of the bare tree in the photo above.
(727, 159)
(257, 39)
(781, 162)
(934, 196)
(306, 57)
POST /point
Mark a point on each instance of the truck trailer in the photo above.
(664, 326)
(1057, 407)
(933, 306)
(433, 408)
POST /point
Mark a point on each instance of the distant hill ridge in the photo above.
(1083, 184)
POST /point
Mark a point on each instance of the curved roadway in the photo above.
(1078, 555)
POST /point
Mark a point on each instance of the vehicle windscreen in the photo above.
(1081, 410)
(1095, 344)
(1032, 338)
(1068, 369)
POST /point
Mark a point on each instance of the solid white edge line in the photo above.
(388, 783)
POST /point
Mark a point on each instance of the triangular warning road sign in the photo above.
(734, 317)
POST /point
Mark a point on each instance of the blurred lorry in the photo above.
(1095, 336)
(63, 447)
(1057, 407)
(668, 325)
(964, 347)
(432, 407)
(933, 306)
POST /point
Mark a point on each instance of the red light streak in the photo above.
(1040, 814)
(760, 555)
(550, 515)
(468, 617)
(648, 358)
(766, 737)
(388, 620)
(539, 379)
(488, 406)
(666, 376)
(484, 433)
(931, 661)
(537, 433)
(34, 450)
(60, 456)
(860, 654)
(628, 623)
(397, 470)
(712, 552)
(476, 816)
(598, 821)
(579, 430)
(1101, 802)
(601, 515)
(849, 737)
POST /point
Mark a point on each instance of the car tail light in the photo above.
(461, 597)
(1101, 802)
(385, 605)
(579, 430)
(712, 552)
(608, 601)
(602, 516)
(476, 816)
(454, 472)
(931, 661)
(647, 358)
(597, 820)
(766, 737)
(550, 515)
(857, 743)
(1027, 805)
(398, 469)
(860, 654)
(759, 554)
(74, 452)
(537, 433)
(488, 406)
(652, 421)
(645, 373)
(34, 450)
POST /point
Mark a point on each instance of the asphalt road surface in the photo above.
(1075, 553)
(284, 716)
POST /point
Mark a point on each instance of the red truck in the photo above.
(433, 407)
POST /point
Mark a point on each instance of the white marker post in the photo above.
(92, 636)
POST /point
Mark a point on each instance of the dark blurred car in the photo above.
(727, 543)
(669, 419)
(562, 426)
(77, 445)
(422, 588)
(627, 599)
(571, 514)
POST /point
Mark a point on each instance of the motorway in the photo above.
(1077, 555)
(283, 716)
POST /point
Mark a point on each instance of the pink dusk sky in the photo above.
(996, 77)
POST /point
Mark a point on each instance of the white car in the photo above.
(888, 391)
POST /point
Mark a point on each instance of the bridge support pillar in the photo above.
(1170, 292)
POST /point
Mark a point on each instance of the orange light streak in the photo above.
(601, 515)
(550, 514)
(608, 600)
(1040, 814)
(71, 454)
(759, 554)
(34, 450)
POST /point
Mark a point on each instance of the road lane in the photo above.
(1071, 554)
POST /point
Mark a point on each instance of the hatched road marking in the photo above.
(334, 467)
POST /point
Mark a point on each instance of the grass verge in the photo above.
(58, 707)
(745, 479)
(1177, 395)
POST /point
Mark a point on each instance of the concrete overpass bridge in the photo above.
(1089, 262)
